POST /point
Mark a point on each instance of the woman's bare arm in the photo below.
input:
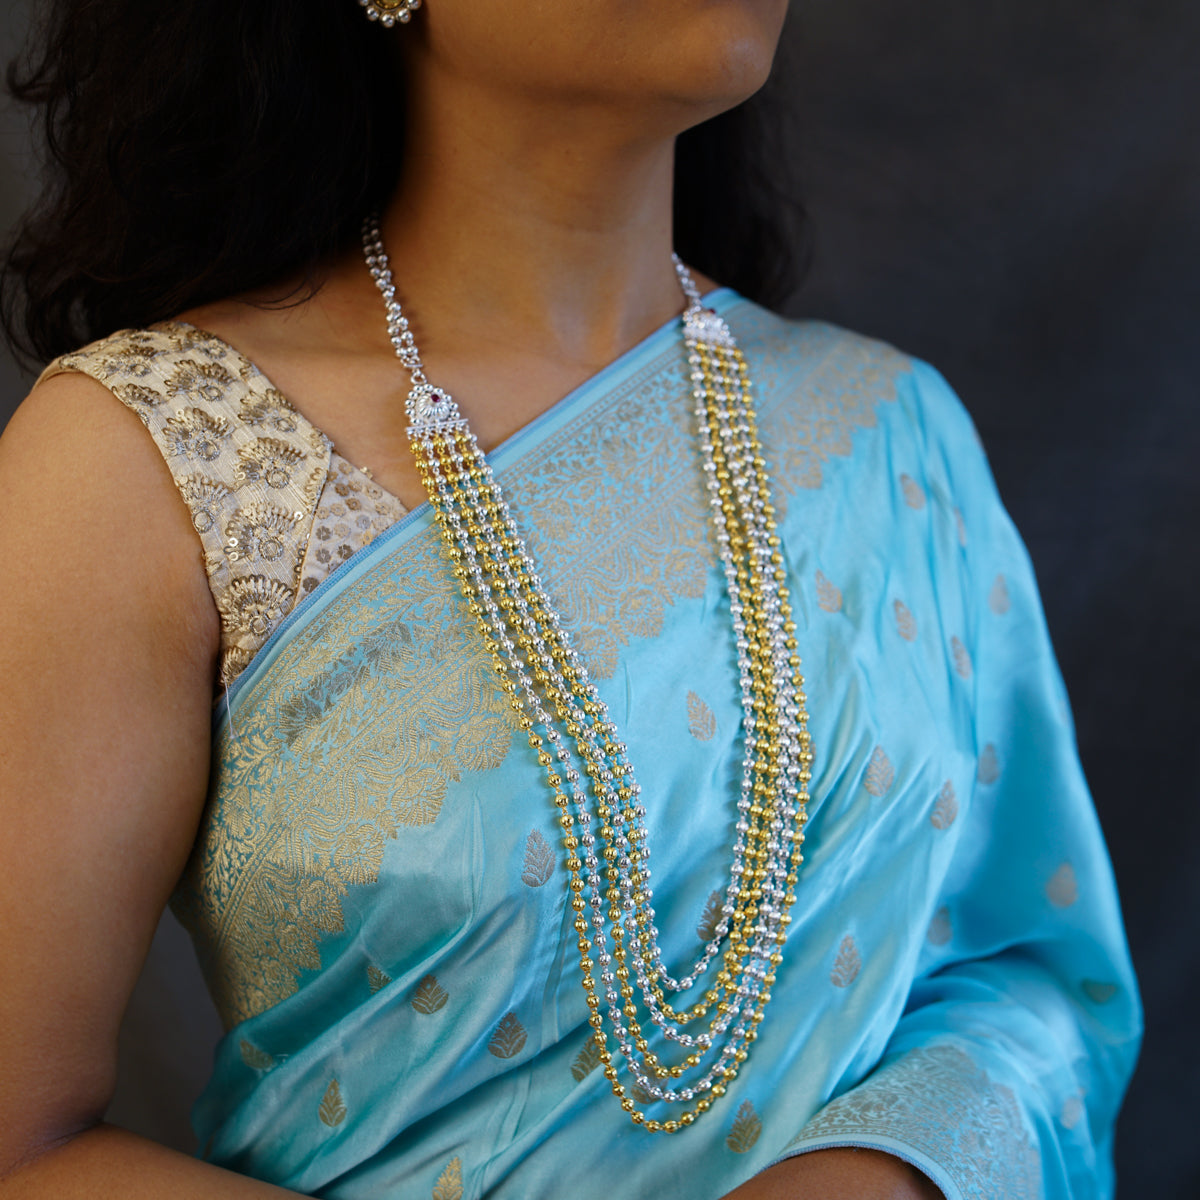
(108, 639)
(842, 1173)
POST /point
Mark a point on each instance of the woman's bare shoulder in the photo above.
(86, 497)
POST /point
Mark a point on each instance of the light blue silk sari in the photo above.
(378, 894)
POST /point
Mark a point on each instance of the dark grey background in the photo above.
(1012, 191)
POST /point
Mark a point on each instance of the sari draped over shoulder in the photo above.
(378, 892)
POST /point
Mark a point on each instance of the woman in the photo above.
(391, 885)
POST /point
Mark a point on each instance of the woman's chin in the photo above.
(722, 57)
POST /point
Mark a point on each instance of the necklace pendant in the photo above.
(431, 409)
(702, 324)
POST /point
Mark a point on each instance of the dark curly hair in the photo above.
(194, 151)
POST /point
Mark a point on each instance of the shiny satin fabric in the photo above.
(378, 893)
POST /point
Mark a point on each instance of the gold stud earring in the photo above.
(388, 12)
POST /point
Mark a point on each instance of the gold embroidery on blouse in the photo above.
(259, 530)
(138, 398)
(539, 860)
(449, 1184)
(828, 597)
(253, 606)
(205, 498)
(270, 408)
(847, 964)
(199, 381)
(744, 1132)
(180, 338)
(270, 460)
(132, 356)
(193, 433)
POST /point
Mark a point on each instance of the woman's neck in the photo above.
(525, 226)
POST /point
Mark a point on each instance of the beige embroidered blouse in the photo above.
(276, 508)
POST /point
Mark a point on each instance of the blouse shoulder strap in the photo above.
(249, 467)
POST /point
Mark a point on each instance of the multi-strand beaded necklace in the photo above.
(568, 727)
